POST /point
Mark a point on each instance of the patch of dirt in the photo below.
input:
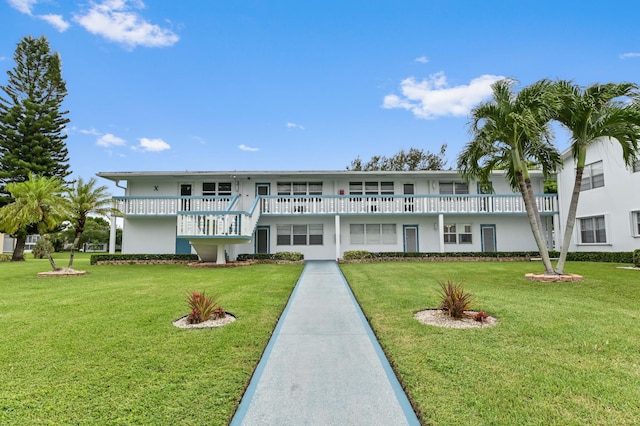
(62, 272)
(438, 318)
(543, 278)
(182, 322)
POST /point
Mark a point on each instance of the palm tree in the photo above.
(86, 199)
(510, 131)
(38, 201)
(598, 111)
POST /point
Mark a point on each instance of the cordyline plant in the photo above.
(203, 307)
(454, 300)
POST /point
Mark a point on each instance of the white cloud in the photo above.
(116, 21)
(91, 131)
(55, 20)
(630, 55)
(24, 6)
(291, 125)
(422, 59)
(152, 145)
(243, 147)
(108, 140)
(433, 97)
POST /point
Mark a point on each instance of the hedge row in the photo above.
(616, 257)
(146, 258)
(292, 256)
(636, 258)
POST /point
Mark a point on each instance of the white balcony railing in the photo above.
(170, 206)
(401, 204)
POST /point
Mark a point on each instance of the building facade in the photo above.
(608, 215)
(322, 214)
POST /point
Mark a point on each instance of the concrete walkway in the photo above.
(323, 365)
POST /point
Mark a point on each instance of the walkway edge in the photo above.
(247, 397)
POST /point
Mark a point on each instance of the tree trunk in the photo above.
(54, 267)
(533, 215)
(73, 247)
(18, 250)
(571, 220)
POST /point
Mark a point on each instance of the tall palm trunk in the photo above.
(531, 209)
(571, 220)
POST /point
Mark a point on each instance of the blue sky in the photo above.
(202, 85)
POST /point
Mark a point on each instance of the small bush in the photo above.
(5, 258)
(292, 256)
(357, 255)
(454, 300)
(43, 245)
(203, 307)
(636, 258)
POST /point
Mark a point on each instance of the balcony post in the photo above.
(338, 237)
(112, 234)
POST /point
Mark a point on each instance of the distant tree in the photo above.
(85, 199)
(39, 201)
(32, 138)
(598, 111)
(414, 159)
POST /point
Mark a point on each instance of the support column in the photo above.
(556, 230)
(112, 235)
(220, 258)
(441, 232)
(338, 252)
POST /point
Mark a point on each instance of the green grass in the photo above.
(101, 349)
(564, 353)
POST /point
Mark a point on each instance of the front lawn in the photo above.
(564, 353)
(101, 349)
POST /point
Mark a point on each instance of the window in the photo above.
(300, 235)
(635, 221)
(593, 230)
(466, 236)
(593, 176)
(299, 188)
(373, 233)
(454, 188)
(209, 188)
(450, 236)
(371, 188)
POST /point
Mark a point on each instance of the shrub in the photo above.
(203, 307)
(357, 255)
(292, 256)
(5, 258)
(134, 258)
(43, 245)
(636, 258)
(454, 300)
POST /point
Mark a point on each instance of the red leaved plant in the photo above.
(203, 307)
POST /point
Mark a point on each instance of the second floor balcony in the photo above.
(132, 206)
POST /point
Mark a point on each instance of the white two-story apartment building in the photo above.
(608, 215)
(322, 214)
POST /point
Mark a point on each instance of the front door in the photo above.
(262, 239)
(410, 238)
(488, 236)
(185, 191)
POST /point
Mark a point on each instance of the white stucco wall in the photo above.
(616, 200)
(149, 235)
